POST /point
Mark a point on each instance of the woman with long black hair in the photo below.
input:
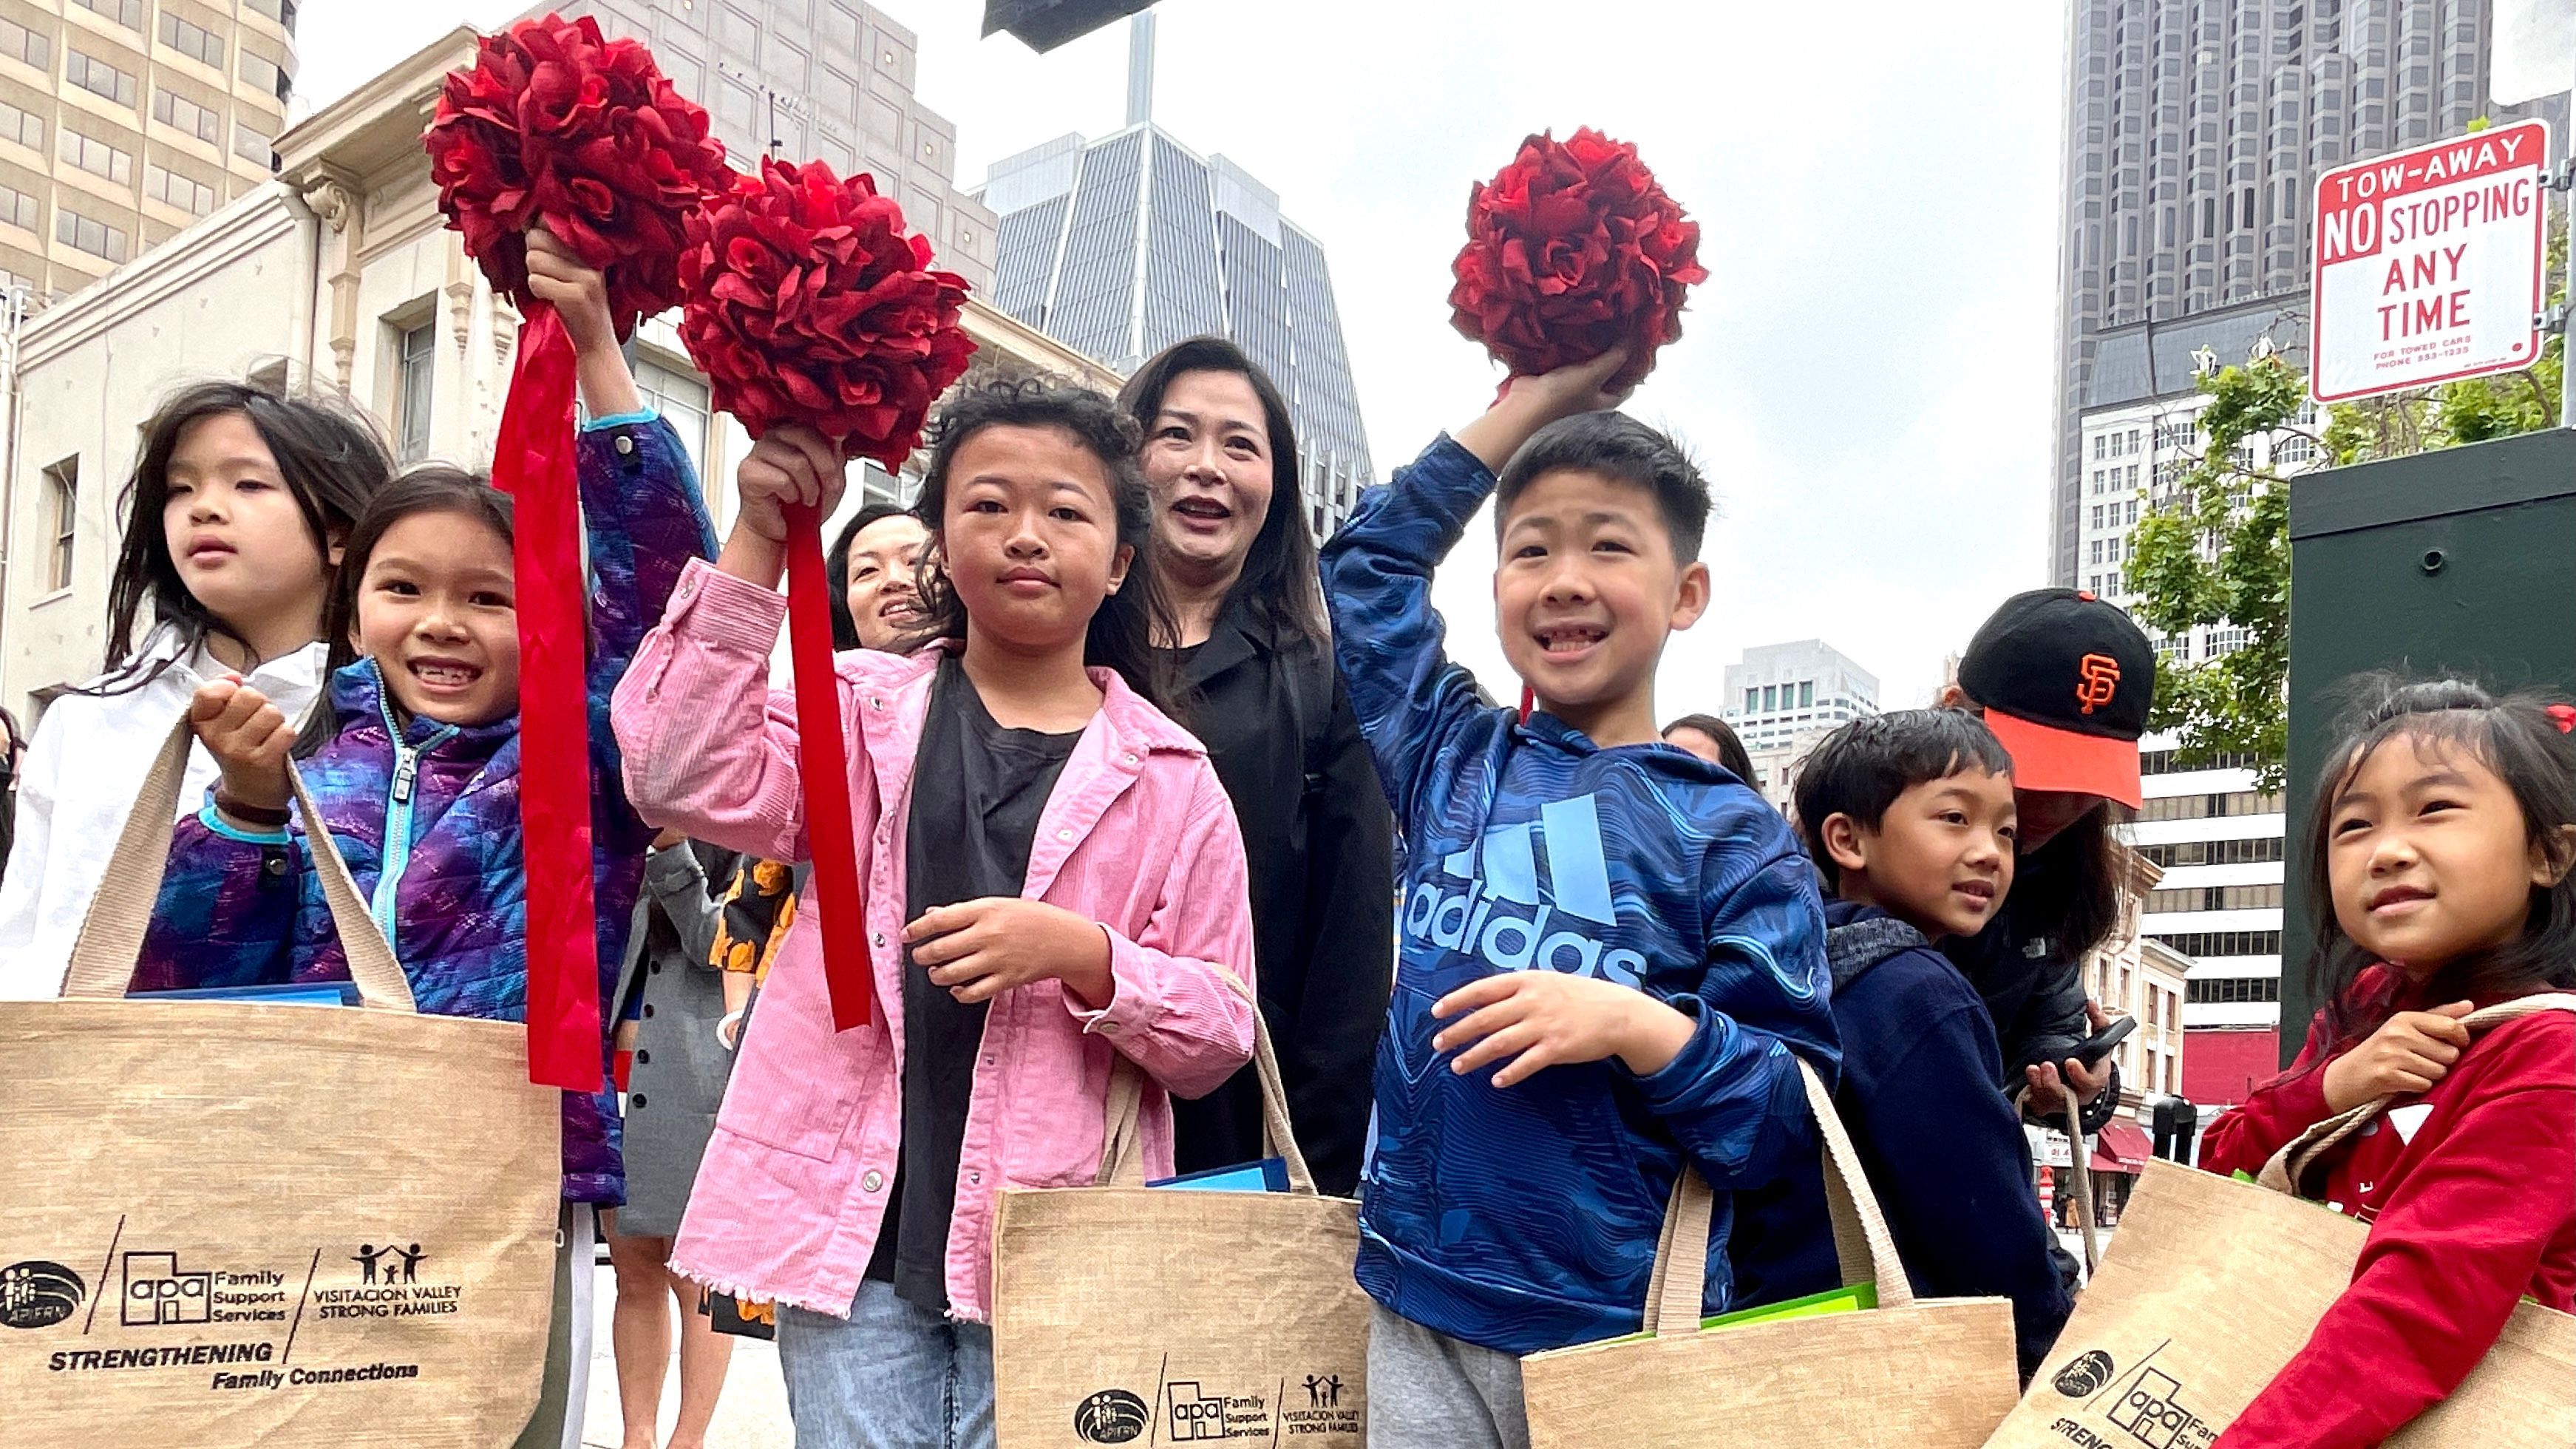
(2063, 678)
(1220, 455)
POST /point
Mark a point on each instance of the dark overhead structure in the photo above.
(1045, 24)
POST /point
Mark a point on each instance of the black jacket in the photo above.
(2033, 989)
(1945, 1157)
(1319, 839)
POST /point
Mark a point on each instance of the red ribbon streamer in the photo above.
(533, 462)
(826, 772)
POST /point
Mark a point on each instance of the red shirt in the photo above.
(2470, 1191)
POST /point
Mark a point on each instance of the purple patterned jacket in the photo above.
(427, 815)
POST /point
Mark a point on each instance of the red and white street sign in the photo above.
(2427, 264)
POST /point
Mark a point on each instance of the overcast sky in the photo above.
(1866, 374)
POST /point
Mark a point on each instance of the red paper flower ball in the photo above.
(808, 303)
(1572, 250)
(553, 124)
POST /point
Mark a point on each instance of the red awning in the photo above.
(2122, 1146)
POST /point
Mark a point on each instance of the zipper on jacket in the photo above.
(397, 853)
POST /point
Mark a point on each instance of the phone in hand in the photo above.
(2094, 1048)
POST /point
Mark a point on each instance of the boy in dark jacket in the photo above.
(1910, 820)
(1609, 949)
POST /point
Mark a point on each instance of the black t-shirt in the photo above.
(977, 792)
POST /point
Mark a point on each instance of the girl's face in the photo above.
(2429, 856)
(1029, 537)
(233, 527)
(2047, 813)
(1207, 459)
(438, 614)
(885, 601)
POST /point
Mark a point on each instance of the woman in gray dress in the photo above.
(674, 998)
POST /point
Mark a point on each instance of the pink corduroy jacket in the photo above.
(1138, 835)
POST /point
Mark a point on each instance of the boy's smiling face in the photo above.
(1586, 589)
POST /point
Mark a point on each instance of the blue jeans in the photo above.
(891, 1376)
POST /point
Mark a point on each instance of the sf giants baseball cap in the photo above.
(2065, 679)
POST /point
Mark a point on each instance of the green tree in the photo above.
(2213, 547)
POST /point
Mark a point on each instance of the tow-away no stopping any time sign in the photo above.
(2427, 265)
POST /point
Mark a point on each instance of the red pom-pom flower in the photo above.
(553, 124)
(1572, 250)
(808, 303)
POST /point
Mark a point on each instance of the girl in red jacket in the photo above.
(2445, 832)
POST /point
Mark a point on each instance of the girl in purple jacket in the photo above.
(1051, 880)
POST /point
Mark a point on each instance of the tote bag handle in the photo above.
(111, 936)
(1863, 1245)
(1122, 1146)
(2289, 1165)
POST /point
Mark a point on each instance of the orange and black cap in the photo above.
(2065, 678)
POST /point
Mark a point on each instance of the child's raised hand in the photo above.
(981, 948)
(2412, 1052)
(249, 738)
(1543, 1019)
(578, 293)
(1531, 403)
(789, 465)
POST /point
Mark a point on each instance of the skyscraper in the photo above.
(123, 121)
(2195, 133)
(1783, 698)
(829, 80)
(1120, 247)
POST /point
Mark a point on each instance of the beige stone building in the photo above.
(123, 122)
(339, 270)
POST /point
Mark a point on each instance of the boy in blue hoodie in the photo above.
(1910, 818)
(1609, 948)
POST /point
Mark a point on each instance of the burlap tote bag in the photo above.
(1909, 1374)
(2212, 1285)
(281, 1225)
(1123, 1314)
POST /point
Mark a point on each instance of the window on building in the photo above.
(94, 237)
(2233, 990)
(17, 42)
(17, 208)
(2097, 478)
(24, 127)
(2133, 510)
(2169, 762)
(1752, 701)
(98, 78)
(128, 13)
(2115, 549)
(186, 193)
(253, 144)
(96, 156)
(2097, 551)
(62, 509)
(2133, 440)
(172, 109)
(1807, 694)
(195, 42)
(2097, 448)
(264, 73)
(1770, 698)
(416, 359)
(2097, 515)
(2215, 898)
(2204, 945)
(2133, 475)
(281, 11)
(681, 398)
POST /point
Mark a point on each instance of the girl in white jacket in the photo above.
(232, 526)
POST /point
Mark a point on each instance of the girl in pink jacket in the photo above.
(1051, 875)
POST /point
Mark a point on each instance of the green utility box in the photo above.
(2462, 562)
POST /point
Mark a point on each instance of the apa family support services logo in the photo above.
(2146, 1409)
